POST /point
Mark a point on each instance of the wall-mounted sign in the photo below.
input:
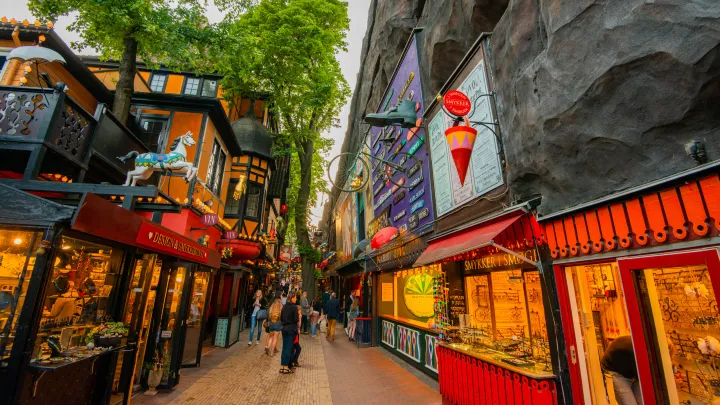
(399, 215)
(387, 292)
(413, 221)
(419, 296)
(166, 334)
(417, 195)
(381, 220)
(457, 103)
(161, 240)
(485, 171)
(416, 182)
(500, 261)
(403, 86)
(417, 206)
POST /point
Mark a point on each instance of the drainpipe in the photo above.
(14, 64)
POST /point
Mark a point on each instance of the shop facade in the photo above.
(644, 264)
(64, 276)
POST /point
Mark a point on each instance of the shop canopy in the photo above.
(468, 240)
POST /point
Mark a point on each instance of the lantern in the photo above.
(461, 139)
(209, 219)
(283, 209)
(231, 234)
(240, 187)
(383, 236)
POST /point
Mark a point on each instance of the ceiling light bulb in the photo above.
(17, 241)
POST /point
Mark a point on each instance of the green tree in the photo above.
(175, 33)
(287, 49)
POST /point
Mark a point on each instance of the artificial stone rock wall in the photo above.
(599, 96)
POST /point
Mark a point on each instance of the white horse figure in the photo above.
(147, 163)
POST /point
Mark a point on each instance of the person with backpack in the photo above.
(274, 328)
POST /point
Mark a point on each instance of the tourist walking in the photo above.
(274, 327)
(283, 298)
(306, 309)
(316, 308)
(353, 314)
(259, 313)
(332, 311)
(290, 318)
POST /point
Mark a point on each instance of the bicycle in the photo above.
(396, 169)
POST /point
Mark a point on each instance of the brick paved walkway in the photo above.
(331, 373)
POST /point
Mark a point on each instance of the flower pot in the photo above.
(107, 341)
(154, 379)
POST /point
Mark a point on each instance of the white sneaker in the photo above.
(256, 343)
(250, 343)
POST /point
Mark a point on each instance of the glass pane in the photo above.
(144, 323)
(173, 299)
(683, 310)
(17, 260)
(209, 88)
(195, 317)
(158, 82)
(76, 299)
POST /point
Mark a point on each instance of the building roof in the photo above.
(253, 137)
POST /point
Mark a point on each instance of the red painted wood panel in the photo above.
(710, 187)
(656, 219)
(674, 213)
(606, 228)
(637, 221)
(694, 208)
(572, 239)
(551, 239)
(582, 234)
(620, 222)
(561, 238)
(594, 230)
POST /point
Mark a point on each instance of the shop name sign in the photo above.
(457, 103)
(500, 261)
(163, 241)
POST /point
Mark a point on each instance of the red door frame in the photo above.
(627, 266)
(566, 317)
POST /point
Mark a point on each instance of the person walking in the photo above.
(316, 308)
(290, 319)
(619, 362)
(332, 311)
(296, 348)
(306, 309)
(283, 298)
(259, 313)
(353, 314)
(274, 327)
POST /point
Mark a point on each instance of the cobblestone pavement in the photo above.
(331, 373)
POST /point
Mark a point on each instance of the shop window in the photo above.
(407, 295)
(157, 83)
(17, 260)
(232, 206)
(505, 317)
(681, 306)
(252, 206)
(216, 168)
(209, 88)
(192, 84)
(77, 297)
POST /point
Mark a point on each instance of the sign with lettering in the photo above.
(500, 261)
(485, 171)
(381, 220)
(417, 206)
(404, 85)
(399, 215)
(457, 103)
(161, 240)
(417, 195)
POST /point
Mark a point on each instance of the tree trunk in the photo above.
(305, 156)
(126, 82)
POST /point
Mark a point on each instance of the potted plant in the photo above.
(108, 334)
(155, 371)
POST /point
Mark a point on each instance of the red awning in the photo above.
(465, 241)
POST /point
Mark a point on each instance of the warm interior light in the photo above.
(66, 247)
(28, 69)
(179, 278)
(23, 80)
(17, 241)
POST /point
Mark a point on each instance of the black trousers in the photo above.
(296, 349)
(304, 324)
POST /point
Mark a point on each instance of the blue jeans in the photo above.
(287, 349)
(312, 329)
(253, 325)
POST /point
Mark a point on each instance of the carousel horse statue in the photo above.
(147, 163)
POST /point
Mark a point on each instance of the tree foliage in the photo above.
(287, 49)
(175, 33)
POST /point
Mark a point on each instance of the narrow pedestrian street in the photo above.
(331, 373)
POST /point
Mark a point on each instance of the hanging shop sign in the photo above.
(457, 103)
(381, 220)
(162, 240)
(484, 168)
(461, 139)
(500, 261)
(405, 85)
(209, 219)
(231, 234)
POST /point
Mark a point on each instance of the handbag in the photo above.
(262, 314)
(266, 324)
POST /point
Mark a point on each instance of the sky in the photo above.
(349, 62)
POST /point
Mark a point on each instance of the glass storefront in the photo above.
(18, 250)
(194, 322)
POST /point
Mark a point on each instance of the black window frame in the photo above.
(250, 186)
(187, 81)
(164, 85)
(216, 169)
(201, 86)
(232, 206)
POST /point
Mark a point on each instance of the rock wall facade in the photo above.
(596, 96)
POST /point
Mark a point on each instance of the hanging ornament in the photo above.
(240, 187)
(231, 234)
(209, 219)
(461, 139)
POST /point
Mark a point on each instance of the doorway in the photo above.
(195, 324)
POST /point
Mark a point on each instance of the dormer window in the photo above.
(157, 84)
(192, 84)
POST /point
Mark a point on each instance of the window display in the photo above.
(76, 303)
(409, 295)
(681, 304)
(17, 260)
(505, 320)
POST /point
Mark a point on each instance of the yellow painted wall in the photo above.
(58, 73)
(110, 80)
(174, 84)
(181, 123)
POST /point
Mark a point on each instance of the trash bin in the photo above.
(362, 331)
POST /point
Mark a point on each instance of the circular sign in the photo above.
(419, 295)
(457, 103)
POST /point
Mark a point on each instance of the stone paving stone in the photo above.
(331, 373)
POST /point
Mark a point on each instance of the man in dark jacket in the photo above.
(619, 361)
(332, 311)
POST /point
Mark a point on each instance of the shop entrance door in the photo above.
(672, 303)
(195, 324)
(597, 309)
(168, 323)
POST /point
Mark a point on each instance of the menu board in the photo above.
(485, 171)
(387, 292)
(406, 208)
(456, 293)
